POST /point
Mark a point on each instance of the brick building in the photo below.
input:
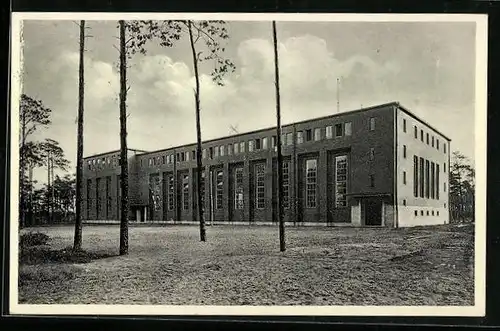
(374, 166)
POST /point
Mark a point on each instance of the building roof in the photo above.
(394, 104)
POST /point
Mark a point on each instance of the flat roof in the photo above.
(113, 151)
(350, 112)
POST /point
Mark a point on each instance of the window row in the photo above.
(103, 162)
(429, 139)
(428, 213)
(94, 196)
(426, 178)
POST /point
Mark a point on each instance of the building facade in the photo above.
(378, 166)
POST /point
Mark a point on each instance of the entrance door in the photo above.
(373, 212)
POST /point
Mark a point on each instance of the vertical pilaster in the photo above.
(247, 187)
(226, 199)
(322, 186)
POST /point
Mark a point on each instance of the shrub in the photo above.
(33, 239)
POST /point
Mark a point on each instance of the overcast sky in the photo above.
(428, 67)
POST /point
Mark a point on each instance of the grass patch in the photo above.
(33, 239)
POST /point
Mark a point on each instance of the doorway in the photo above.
(373, 212)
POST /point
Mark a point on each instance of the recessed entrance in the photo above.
(373, 212)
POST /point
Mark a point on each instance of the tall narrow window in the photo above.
(308, 135)
(432, 141)
(289, 138)
(300, 137)
(372, 123)
(251, 145)
(108, 197)
(338, 130)
(284, 139)
(329, 132)
(341, 181)
(242, 147)
(372, 180)
(171, 192)
(260, 186)
(427, 138)
(185, 192)
(154, 191)
(238, 188)
(204, 153)
(348, 128)
(437, 144)
(221, 148)
(415, 131)
(286, 184)
(415, 176)
(444, 167)
(193, 155)
(219, 191)
(422, 135)
(404, 125)
(236, 148)
(98, 197)
(216, 151)
(273, 141)
(404, 151)
(202, 189)
(211, 152)
(264, 143)
(437, 181)
(444, 148)
(317, 134)
(230, 149)
(258, 144)
(311, 179)
(404, 177)
(427, 179)
(422, 177)
(433, 180)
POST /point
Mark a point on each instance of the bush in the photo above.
(33, 239)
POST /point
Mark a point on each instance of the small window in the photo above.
(437, 144)
(187, 156)
(348, 128)
(236, 148)
(264, 143)
(427, 213)
(204, 153)
(242, 147)
(273, 141)
(300, 137)
(372, 154)
(416, 212)
(308, 135)
(372, 123)
(404, 177)
(289, 138)
(404, 125)
(222, 153)
(444, 167)
(404, 151)
(444, 187)
(445, 205)
(329, 132)
(317, 134)
(444, 148)
(257, 144)
(338, 130)
(432, 213)
(193, 155)
(437, 212)
(372, 180)
(150, 162)
(432, 141)
(164, 157)
(229, 149)
(284, 139)
(404, 202)
(427, 138)
(422, 135)
(421, 213)
(216, 151)
(251, 145)
(210, 152)
(415, 131)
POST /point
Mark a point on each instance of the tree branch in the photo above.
(202, 31)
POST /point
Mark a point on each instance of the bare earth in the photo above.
(241, 265)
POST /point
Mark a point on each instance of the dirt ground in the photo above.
(240, 265)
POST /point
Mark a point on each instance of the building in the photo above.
(377, 166)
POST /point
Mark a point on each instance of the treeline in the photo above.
(462, 189)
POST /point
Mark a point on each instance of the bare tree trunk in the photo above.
(22, 161)
(123, 143)
(278, 141)
(30, 203)
(77, 244)
(52, 193)
(198, 137)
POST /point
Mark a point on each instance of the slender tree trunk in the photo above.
(198, 137)
(123, 143)
(77, 244)
(278, 142)
(30, 203)
(52, 191)
(22, 162)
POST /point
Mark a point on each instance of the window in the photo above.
(311, 177)
(273, 141)
(185, 192)
(404, 202)
(427, 179)
(415, 131)
(289, 138)
(372, 123)
(257, 144)
(260, 186)
(404, 151)
(264, 143)
(193, 155)
(422, 135)
(340, 181)
(422, 177)
(338, 130)
(238, 188)
(372, 154)
(427, 213)
(216, 151)
(284, 140)
(421, 213)
(404, 177)
(372, 180)
(317, 134)
(437, 144)
(172, 158)
(329, 132)
(415, 176)
(155, 191)
(221, 150)
(219, 190)
(170, 190)
(204, 153)
(437, 212)
(242, 147)
(186, 156)
(236, 148)
(404, 125)
(300, 137)
(308, 135)
(250, 145)
(286, 184)
(98, 197)
(432, 141)
(433, 180)
(108, 197)
(150, 162)
(202, 189)
(444, 148)
(348, 128)
(89, 198)
(437, 181)
(444, 187)
(164, 157)
(210, 152)
(416, 212)
(427, 138)
(229, 149)
(433, 213)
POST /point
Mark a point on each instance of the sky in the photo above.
(428, 67)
